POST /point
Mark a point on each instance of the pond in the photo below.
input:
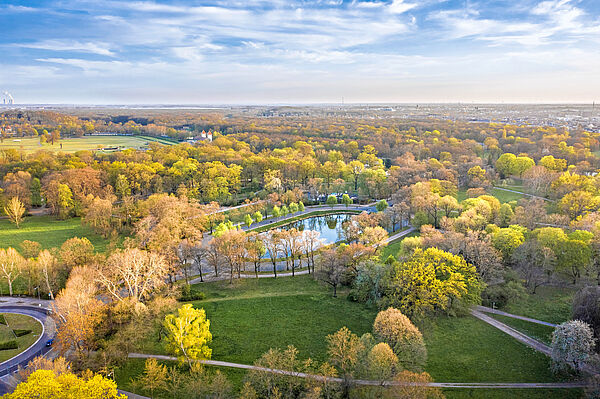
(330, 226)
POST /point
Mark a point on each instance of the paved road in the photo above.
(506, 385)
(39, 348)
(485, 309)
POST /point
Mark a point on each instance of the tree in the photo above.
(381, 362)
(381, 206)
(272, 243)
(255, 250)
(301, 206)
(248, 220)
(331, 269)
(257, 216)
(188, 334)
(344, 349)
(346, 200)
(375, 237)
(505, 164)
(506, 240)
(132, 273)
(232, 247)
(572, 346)
(535, 263)
(99, 215)
(15, 210)
(76, 252)
(78, 312)
(47, 384)
(432, 280)
(355, 168)
(48, 265)
(30, 249)
(154, 377)
(36, 192)
(11, 266)
(332, 200)
(396, 330)
(65, 202)
(586, 307)
(293, 207)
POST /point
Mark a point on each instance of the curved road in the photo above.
(38, 348)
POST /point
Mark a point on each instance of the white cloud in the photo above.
(71, 45)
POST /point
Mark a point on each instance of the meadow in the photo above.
(252, 315)
(74, 144)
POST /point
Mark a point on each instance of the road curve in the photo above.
(38, 348)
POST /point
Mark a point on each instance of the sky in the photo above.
(299, 51)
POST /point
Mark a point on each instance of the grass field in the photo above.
(502, 195)
(73, 144)
(48, 231)
(18, 322)
(551, 304)
(251, 316)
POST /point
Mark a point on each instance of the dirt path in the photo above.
(485, 309)
(519, 336)
(495, 385)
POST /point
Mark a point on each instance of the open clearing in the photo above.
(73, 144)
(251, 316)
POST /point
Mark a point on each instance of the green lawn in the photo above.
(73, 144)
(538, 331)
(253, 315)
(48, 231)
(18, 322)
(502, 195)
(551, 304)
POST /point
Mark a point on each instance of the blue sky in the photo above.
(274, 51)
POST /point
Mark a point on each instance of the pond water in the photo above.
(330, 226)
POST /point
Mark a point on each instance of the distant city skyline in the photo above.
(300, 52)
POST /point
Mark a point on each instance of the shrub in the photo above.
(3, 320)
(189, 294)
(405, 339)
(20, 333)
(12, 344)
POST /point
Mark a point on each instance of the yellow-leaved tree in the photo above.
(47, 384)
(15, 210)
(188, 334)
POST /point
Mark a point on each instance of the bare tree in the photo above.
(331, 269)
(11, 265)
(133, 273)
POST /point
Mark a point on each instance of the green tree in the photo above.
(122, 188)
(301, 206)
(332, 200)
(433, 280)
(276, 211)
(65, 201)
(188, 334)
(248, 220)
(36, 192)
(293, 207)
(154, 377)
(257, 216)
(506, 240)
(381, 205)
(346, 200)
(504, 164)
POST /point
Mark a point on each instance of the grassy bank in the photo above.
(18, 322)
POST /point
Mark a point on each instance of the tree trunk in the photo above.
(9, 287)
